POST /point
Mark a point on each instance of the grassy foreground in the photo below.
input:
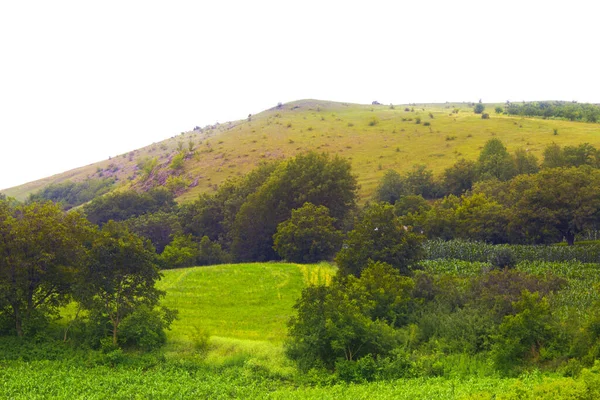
(244, 308)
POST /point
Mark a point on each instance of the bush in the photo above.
(485, 116)
(145, 327)
(478, 109)
(503, 258)
(177, 161)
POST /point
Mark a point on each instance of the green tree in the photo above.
(210, 253)
(525, 162)
(584, 154)
(553, 156)
(410, 204)
(481, 218)
(379, 236)
(460, 177)
(41, 250)
(181, 252)
(555, 203)
(311, 177)
(478, 109)
(391, 187)
(495, 162)
(419, 180)
(350, 319)
(120, 206)
(119, 277)
(214, 215)
(159, 227)
(308, 236)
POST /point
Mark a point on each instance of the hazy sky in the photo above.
(81, 81)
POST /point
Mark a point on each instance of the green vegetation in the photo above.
(490, 306)
(71, 194)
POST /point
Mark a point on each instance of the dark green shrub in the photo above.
(503, 258)
(145, 327)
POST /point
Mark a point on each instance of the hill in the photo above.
(374, 137)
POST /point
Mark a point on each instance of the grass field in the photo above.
(374, 138)
(245, 308)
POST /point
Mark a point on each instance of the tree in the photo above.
(420, 181)
(584, 154)
(391, 187)
(159, 227)
(316, 178)
(481, 218)
(553, 156)
(119, 276)
(460, 177)
(210, 253)
(525, 162)
(350, 319)
(379, 236)
(478, 109)
(410, 204)
(555, 203)
(40, 253)
(123, 205)
(308, 236)
(495, 161)
(181, 252)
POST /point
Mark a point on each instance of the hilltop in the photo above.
(374, 138)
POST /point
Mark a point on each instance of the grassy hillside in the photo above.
(374, 137)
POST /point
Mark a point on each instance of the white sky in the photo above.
(82, 80)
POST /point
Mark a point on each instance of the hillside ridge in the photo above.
(374, 137)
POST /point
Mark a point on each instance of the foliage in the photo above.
(316, 178)
(559, 109)
(478, 109)
(159, 227)
(145, 327)
(391, 187)
(379, 236)
(119, 276)
(72, 194)
(420, 181)
(522, 337)
(460, 177)
(525, 162)
(210, 253)
(41, 249)
(308, 236)
(119, 206)
(410, 204)
(350, 319)
(177, 161)
(181, 252)
(495, 162)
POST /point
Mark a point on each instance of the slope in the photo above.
(374, 137)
